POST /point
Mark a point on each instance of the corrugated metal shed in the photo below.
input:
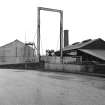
(91, 44)
(97, 53)
(95, 48)
(15, 52)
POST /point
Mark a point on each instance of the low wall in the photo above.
(100, 68)
(53, 67)
(55, 59)
(29, 66)
(17, 60)
(69, 67)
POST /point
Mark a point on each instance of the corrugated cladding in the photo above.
(15, 52)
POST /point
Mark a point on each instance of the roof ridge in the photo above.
(11, 43)
(81, 44)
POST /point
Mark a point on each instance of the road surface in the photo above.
(22, 87)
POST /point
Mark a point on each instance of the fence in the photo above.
(66, 60)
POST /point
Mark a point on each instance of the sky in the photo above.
(85, 19)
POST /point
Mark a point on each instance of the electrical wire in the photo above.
(57, 43)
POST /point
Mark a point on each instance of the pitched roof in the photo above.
(84, 44)
(97, 53)
(15, 41)
(94, 47)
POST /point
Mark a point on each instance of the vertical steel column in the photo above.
(61, 30)
(38, 33)
(61, 36)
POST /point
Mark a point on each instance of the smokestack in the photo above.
(66, 38)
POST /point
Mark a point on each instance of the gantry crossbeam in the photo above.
(38, 29)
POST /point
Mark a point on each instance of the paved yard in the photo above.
(22, 87)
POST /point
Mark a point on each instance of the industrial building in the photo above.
(85, 56)
(87, 51)
(16, 52)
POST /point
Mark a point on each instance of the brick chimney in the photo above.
(66, 38)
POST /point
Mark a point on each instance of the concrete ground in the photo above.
(22, 87)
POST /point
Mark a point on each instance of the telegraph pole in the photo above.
(38, 33)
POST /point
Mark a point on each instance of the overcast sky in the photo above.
(84, 19)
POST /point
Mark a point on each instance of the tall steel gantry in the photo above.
(38, 29)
